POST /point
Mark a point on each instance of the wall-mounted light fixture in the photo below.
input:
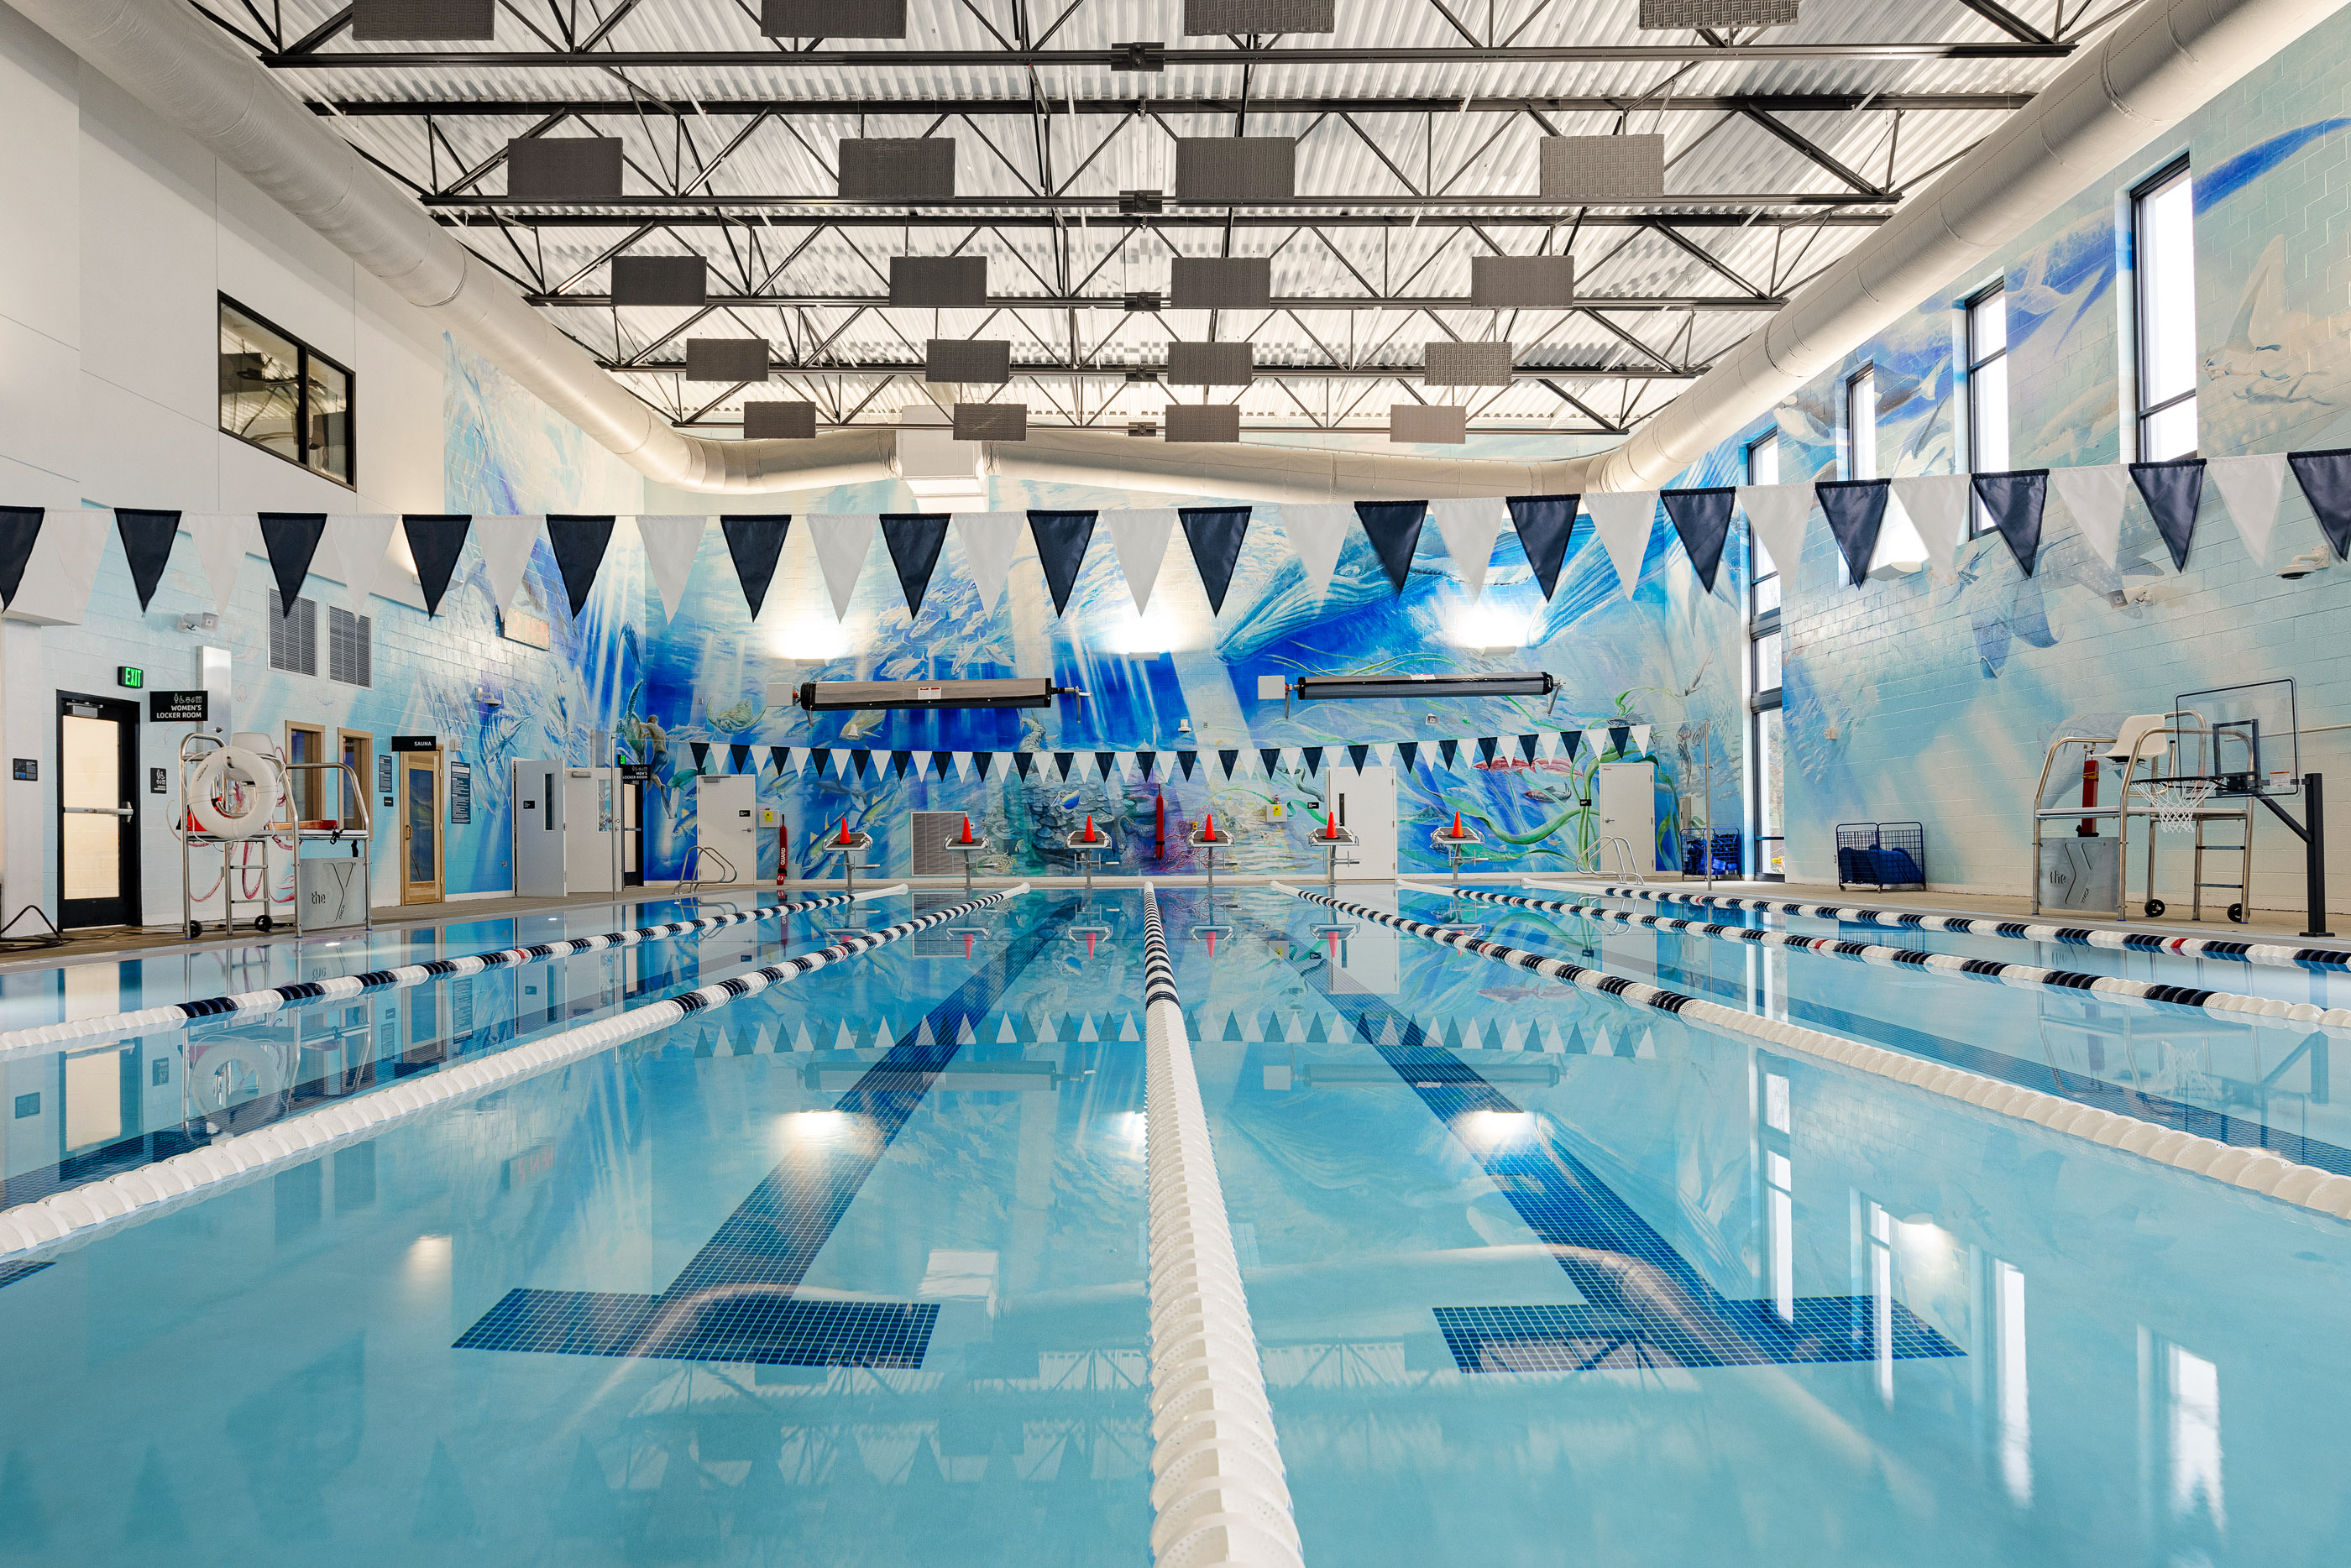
(1356, 688)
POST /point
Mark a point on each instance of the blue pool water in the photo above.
(852, 1271)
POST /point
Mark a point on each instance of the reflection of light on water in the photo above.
(807, 635)
(2195, 1437)
(1928, 1251)
(1488, 625)
(815, 1124)
(428, 1258)
(1499, 1127)
(1135, 1128)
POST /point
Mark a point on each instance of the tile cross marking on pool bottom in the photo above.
(738, 1299)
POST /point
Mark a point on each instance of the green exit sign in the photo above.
(130, 677)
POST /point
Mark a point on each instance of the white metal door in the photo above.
(727, 822)
(591, 854)
(1365, 802)
(1627, 802)
(539, 829)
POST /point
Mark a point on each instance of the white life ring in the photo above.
(258, 800)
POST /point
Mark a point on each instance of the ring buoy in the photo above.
(255, 801)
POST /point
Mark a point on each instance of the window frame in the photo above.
(1764, 625)
(1855, 424)
(2175, 172)
(304, 355)
(1979, 520)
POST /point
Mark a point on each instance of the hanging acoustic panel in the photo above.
(1220, 282)
(1204, 421)
(1236, 168)
(730, 360)
(1208, 18)
(1210, 364)
(778, 421)
(939, 283)
(563, 168)
(991, 421)
(833, 18)
(1522, 283)
(1657, 15)
(1603, 169)
(1434, 424)
(1466, 365)
(896, 168)
(661, 280)
(967, 359)
(423, 21)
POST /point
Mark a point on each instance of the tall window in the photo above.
(1764, 644)
(282, 395)
(1987, 392)
(2164, 253)
(1861, 425)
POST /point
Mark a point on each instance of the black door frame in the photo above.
(123, 910)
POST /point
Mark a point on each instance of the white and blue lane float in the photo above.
(176, 1015)
(2254, 1169)
(67, 1219)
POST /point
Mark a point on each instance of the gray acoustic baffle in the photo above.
(833, 18)
(780, 421)
(1236, 168)
(1428, 423)
(991, 421)
(1522, 283)
(1221, 283)
(1204, 421)
(563, 168)
(423, 21)
(1210, 364)
(967, 359)
(1206, 18)
(726, 360)
(659, 280)
(1466, 365)
(1603, 168)
(941, 282)
(1660, 15)
(898, 168)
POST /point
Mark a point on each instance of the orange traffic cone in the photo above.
(1457, 827)
(844, 831)
(967, 838)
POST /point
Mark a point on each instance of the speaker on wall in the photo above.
(1210, 364)
(1465, 365)
(1520, 283)
(1220, 282)
(661, 280)
(1603, 168)
(1657, 15)
(1207, 18)
(726, 360)
(563, 168)
(991, 421)
(898, 168)
(1235, 168)
(833, 18)
(423, 21)
(1428, 423)
(1204, 421)
(778, 421)
(940, 283)
(967, 359)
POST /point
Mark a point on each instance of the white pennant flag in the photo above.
(1470, 529)
(990, 541)
(1641, 738)
(963, 765)
(2251, 486)
(1937, 505)
(1141, 540)
(2095, 497)
(361, 540)
(1317, 533)
(223, 539)
(1623, 521)
(1775, 517)
(842, 541)
(922, 768)
(1546, 744)
(63, 566)
(671, 543)
(505, 543)
(1381, 756)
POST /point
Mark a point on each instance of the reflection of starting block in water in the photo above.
(1330, 839)
(1211, 935)
(971, 844)
(848, 845)
(1207, 838)
(1094, 937)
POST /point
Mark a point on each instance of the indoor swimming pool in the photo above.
(853, 1269)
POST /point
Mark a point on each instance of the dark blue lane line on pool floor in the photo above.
(738, 1299)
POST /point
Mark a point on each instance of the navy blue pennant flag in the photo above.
(822, 757)
(701, 750)
(1620, 737)
(1572, 742)
(980, 761)
(1103, 761)
(862, 760)
(1410, 752)
(435, 543)
(1488, 746)
(1526, 746)
(738, 757)
(1856, 510)
(147, 545)
(940, 763)
(1356, 755)
(754, 544)
(1185, 761)
(2325, 479)
(2172, 490)
(579, 543)
(1143, 760)
(1062, 760)
(1448, 750)
(1271, 757)
(1702, 517)
(914, 538)
(1395, 528)
(1544, 524)
(1313, 755)
(900, 762)
(19, 527)
(1215, 534)
(781, 757)
(2013, 500)
(291, 538)
(1062, 539)
(1229, 759)
(1022, 762)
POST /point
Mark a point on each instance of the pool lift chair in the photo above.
(2134, 754)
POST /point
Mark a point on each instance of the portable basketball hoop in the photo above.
(2175, 802)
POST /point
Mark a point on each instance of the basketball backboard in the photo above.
(2246, 737)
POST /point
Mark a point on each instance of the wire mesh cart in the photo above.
(331, 882)
(1881, 855)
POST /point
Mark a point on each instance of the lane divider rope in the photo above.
(2255, 1170)
(2222, 1003)
(270, 999)
(2269, 955)
(1218, 1488)
(66, 1219)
